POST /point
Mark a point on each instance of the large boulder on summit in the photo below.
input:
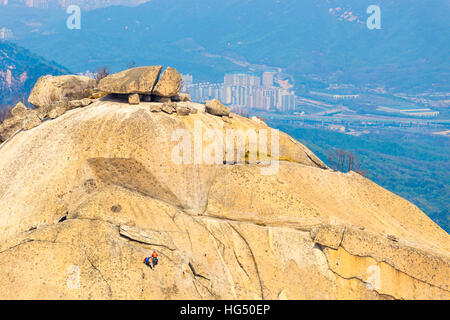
(169, 85)
(215, 107)
(136, 80)
(50, 89)
(144, 81)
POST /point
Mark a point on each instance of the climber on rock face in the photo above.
(147, 262)
(152, 261)
(154, 258)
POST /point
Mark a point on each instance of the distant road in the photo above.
(340, 119)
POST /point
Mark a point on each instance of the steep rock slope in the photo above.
(85, 197)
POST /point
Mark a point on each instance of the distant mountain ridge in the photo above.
(311, 40)
(19, 71)
(85, 4)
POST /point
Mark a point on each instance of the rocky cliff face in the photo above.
(86, 196)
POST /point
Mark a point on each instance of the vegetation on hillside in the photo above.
(344, 161)
(413, 166)
(20, 71)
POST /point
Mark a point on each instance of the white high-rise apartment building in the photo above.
(244, 91)
(268, 79)
(242, 79)
(187, 79)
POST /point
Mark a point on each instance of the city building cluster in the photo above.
(6, 34)
(243, 91)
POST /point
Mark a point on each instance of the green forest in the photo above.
(412, 165)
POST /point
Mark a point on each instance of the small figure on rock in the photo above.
(152, 261)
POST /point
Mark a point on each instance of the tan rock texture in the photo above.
(79, 103)
(19, 110)
(136, 80)
(169, 84)
(217, 108)
(49, 90)
(21, 118)
(134, 98)
(185, 97)
(86, 197)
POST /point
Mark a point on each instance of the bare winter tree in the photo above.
(350, 161)
(341, 159)
(331, 158)
(102, 73)
(345, 161)
(357, 168)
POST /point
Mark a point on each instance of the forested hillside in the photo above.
(19, 71)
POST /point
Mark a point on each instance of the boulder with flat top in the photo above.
(136, 80)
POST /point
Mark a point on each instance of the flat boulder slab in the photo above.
(156, 107)
(183, 111)
(169, 85)
(50, 89)
(79, 103)
(136, 80)
(215, 107)
(168, 108)
(97, 94)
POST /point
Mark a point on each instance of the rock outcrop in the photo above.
(19, 110)
(132, 82)
(133, 98)
(184, 97)
(169, 84)
(22, 119)
(80, 103)
(86, 196)
(50, 92)
(52, 96)
(216, 108)
(136, 80)
(144, 83)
